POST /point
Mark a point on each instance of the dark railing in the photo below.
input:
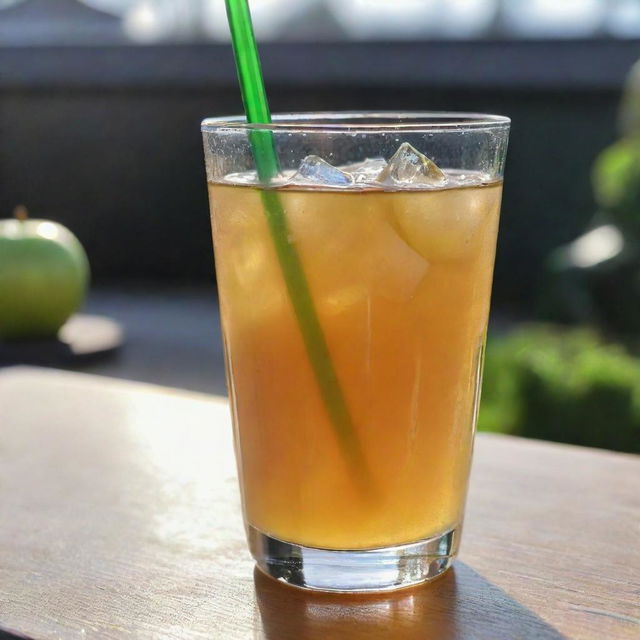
(106, 138)
(557, 65)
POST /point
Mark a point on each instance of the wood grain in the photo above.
(119, 518)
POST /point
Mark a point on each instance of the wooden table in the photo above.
(119, 518)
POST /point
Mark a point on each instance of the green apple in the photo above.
(44, 273)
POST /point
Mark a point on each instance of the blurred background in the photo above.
(100, 106)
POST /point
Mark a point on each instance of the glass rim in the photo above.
(361, 122)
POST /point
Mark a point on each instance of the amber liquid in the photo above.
(401, 283)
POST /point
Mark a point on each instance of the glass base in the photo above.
(381, 569)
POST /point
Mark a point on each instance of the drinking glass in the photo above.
(354, 293)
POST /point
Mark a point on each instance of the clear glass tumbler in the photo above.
(354, 291)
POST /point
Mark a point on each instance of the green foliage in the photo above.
(630, 104)
(616, 172)
(604, 289)
(616, 183)
(566, 386)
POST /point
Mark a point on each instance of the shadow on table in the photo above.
(459, 606)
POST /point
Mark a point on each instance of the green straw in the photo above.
(256, 107)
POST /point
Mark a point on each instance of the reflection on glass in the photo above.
(150, 21)
(424, 612)
(117, 7)
(380, 19)
(271, 18)
(623, 20)
(468, 18)
(553, 18)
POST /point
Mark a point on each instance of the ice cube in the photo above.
(409, 167)
(367, 171)
(379, 264)
(349, 245)
(399, 268)
(446, 224)
(315, 170)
